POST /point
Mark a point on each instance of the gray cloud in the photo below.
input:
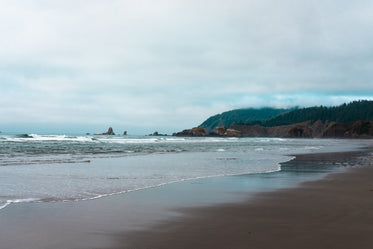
(172, 64)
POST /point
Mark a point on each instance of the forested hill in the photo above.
(241, 116)
(346, 113)
(353, 120)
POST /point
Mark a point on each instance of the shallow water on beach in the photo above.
(48, 168)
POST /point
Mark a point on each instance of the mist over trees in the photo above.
(345, 113)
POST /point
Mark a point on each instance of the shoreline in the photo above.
(121, 221)
(333, 212)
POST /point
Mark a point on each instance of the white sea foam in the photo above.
(4, 205)
(37, 137)
(312, 148)
(112, 139)
(8, 202)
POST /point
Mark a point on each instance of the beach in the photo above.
(334, 212)
(186, 124)
(301, 206)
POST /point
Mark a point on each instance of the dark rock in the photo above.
(194, 132)
(156, 133)
(358, 129)
(125, 133)
(232, 133)
(307, 129)
(218, 131)
(223, 132)
(336, 130)
(109, 132)
(301, 131)
(362, 128)
(251, 130)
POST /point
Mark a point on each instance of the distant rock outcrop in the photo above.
(109, 132)
(223, 132)
(157, 134)
(194, 132)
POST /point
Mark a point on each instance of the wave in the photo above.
(93, 196)
(61, 138)
(26, 200)
(41, 138)
(32, 137)
(24, 136)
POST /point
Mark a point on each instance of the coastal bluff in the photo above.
(307, 129)
(194, 132)
(310, 129)
(201, 132)
(352, 120)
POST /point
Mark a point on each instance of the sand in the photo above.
(335, 212)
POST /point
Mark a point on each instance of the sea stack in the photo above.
(109, 132)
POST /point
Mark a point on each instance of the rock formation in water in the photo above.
(156, 133)
(194, 132)
(109, 132)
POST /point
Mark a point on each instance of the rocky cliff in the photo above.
(225, 132)
(358, 129)
(307, 129)
(299, 130)
(194, 132)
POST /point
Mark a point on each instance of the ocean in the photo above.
(62, 168)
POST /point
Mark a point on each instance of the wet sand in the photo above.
(334, 212)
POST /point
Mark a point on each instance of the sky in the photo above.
(166, 65)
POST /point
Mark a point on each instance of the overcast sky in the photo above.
(167, 65)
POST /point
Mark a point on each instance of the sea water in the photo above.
(50, 168)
